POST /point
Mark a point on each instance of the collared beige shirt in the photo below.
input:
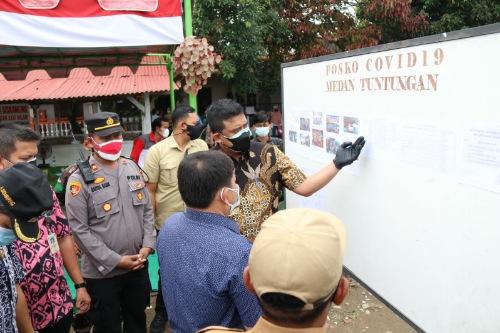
(161, 167)
(264, 326)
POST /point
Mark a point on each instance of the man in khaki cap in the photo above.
(295, 269)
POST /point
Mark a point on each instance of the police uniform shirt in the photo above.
(110, 217)
(264, 326)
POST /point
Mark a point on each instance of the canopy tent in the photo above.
(59, 35)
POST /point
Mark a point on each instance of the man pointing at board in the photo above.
(263, 170)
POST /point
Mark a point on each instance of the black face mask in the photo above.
(194, 131)
(241, 144)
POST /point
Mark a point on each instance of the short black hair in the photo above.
(181, 113)
(288, 308)
(222, 110)
(157, 122)
(260, 117)
(11, 133)
(201, 175)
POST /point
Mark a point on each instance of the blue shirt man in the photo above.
(202, 253)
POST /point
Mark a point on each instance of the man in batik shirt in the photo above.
(262, 170)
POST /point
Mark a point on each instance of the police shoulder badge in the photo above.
(75, 188)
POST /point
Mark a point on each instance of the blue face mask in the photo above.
(7, 236)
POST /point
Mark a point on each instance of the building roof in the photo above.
(81, 83)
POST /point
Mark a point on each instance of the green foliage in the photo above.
(237, 29)
(256, 36)
(405, 19)
(459, 14)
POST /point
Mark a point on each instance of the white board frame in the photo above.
(412, 317)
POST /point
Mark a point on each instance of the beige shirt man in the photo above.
(263, 326)
(161, 167)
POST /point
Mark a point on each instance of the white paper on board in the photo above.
(480, 160)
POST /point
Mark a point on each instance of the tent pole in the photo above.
(170, 67)
(188, 28)
(146, 119)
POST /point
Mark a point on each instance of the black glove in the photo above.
(348, 153)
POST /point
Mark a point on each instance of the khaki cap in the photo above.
(299, 252)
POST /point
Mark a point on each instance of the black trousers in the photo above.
(62, 326)
(124, 297)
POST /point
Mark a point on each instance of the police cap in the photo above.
(103, 123)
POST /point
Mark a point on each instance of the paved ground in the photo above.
(360, 313)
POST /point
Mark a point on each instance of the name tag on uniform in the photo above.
(53, 244)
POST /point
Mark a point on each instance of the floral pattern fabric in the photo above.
(262, 175)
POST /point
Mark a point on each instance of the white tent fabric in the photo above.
(85, 23)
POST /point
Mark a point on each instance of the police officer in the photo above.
(112, 221)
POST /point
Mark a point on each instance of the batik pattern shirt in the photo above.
(262, 175)
(11, 273)
(47, 293)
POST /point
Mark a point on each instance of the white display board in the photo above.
(422, 205)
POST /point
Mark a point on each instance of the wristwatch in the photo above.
(80, 285)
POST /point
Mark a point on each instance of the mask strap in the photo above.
(98, 146)
(230, 189)
(222, 197)
(5, 158)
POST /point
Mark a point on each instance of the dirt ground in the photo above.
(363, 312)
(360, 313)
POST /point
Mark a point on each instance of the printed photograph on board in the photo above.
(351, 125)
(292, 136)
(317, 118)
(332, 124)
(305, 140)
(317, 138)
(332, 145)
(305, 124)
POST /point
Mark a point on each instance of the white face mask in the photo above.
(262, 131)
(165, 133)
(232, 206)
